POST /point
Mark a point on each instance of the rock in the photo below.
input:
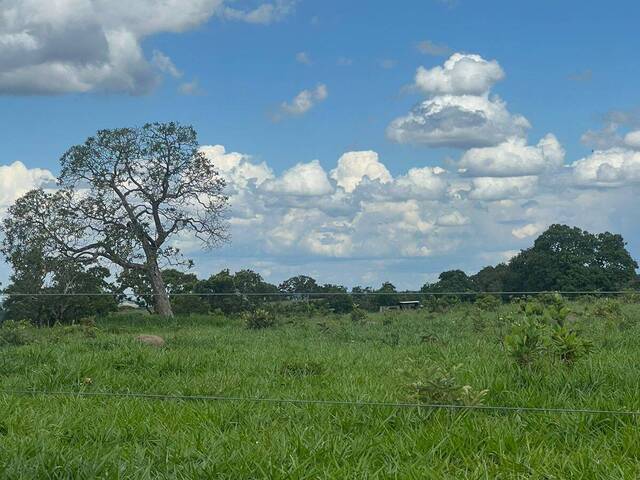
(153, 340)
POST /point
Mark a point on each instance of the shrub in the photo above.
(358, 315)
(607, 308)
(16, 333)
(569, 345)
(259, 319)
(526, 341)
(440, 386)
(488, 303)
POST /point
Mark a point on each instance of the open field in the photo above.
(330, 358)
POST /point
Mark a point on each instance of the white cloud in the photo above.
(76, 46)
(165, 64)
(513, 158)
(608, 168)
(353, 167)
(264, 14)
(632, 139)
(529, 230)
(453, 219)
(303, 101)
(492, 188)
(462, 121)
(304, 179)
(460, 112)
(461, 74)
(16, 180)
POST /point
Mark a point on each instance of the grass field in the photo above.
(330, 358)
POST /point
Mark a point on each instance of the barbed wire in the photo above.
(353, 403)
(315, 294)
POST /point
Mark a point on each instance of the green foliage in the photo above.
(569, 259)
(358, 315)
(15, 333)
(527, 341)
(569, 345)
(488, 303)
(440, 386)
(259, 319)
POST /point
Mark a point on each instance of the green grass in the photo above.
(329, 358)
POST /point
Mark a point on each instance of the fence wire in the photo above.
(345, 403)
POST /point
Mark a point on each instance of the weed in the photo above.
(14, 333)
(440, 386)
(301, 369)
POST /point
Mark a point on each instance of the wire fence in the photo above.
(322, 294)
(303, 402)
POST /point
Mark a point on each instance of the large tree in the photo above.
(570, 259)
(124, 194)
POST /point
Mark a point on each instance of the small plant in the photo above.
(569, 345)
(440, 386)
(358, 315)
(14, 333)
(607, 308)
(259, 319)
(526, 341)
(488, 303)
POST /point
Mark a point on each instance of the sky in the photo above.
(361, 141)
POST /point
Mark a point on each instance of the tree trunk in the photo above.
(161, 303)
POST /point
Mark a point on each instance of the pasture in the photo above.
(456, 356)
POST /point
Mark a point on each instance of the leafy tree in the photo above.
(300, 284)
(124, 194)
(491, 279)
(386, 295)
(50, 280)
(339, 303)
(570, 259)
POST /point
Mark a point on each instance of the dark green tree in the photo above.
(567, 258)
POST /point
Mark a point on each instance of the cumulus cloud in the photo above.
(303, 102)
(461, 74)
(16, 180)
(353, 167)
(304, 179)
(528, 230)
(78, 46)
(513, 158)
(459, 112)
(463, 121)
(492, 188)
(632, 139)
(614, 167)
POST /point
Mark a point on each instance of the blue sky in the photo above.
(568, 68)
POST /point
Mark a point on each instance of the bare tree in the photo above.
(124, 194)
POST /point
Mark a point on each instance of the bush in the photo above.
(259, 319)
(440, 386)
(14, 333)
(358, 315)
(526, 341)
(488, 303)
(569, 345)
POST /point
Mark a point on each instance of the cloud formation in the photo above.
(460, 111)
(303, 102)
(78, 46)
